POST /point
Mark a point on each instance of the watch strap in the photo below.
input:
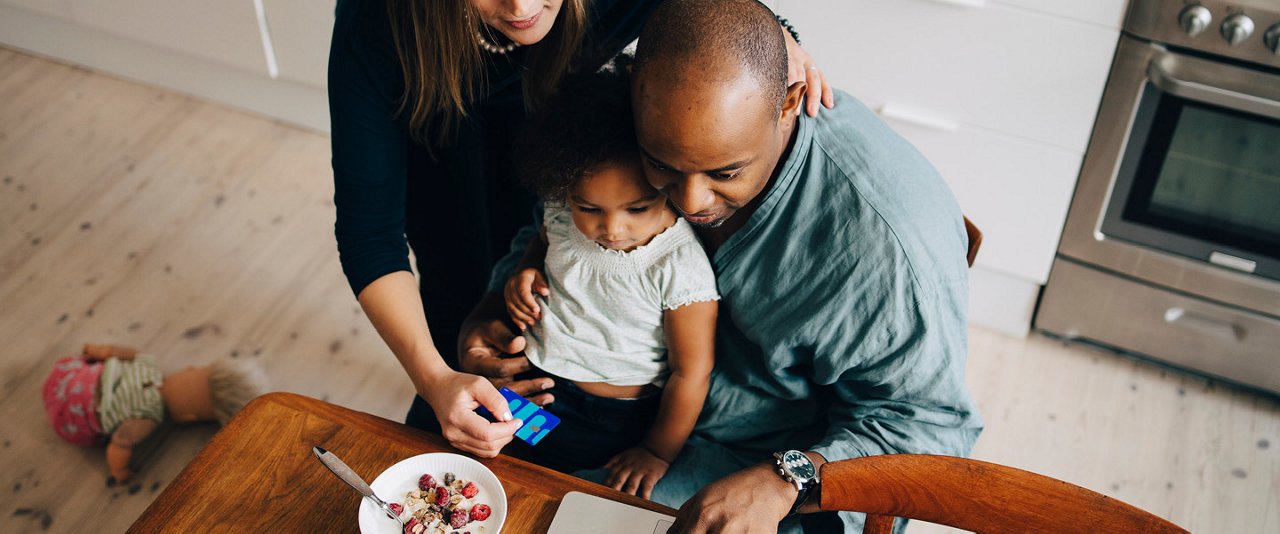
(802, 498)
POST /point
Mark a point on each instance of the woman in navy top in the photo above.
(424, 99)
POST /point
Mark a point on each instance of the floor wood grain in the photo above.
(137, 216)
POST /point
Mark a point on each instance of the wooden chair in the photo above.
(975, 240)
(975, 496)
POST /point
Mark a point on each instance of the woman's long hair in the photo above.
(443, 65)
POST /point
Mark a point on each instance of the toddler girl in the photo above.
(617, 299)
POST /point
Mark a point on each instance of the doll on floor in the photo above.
(115, 395)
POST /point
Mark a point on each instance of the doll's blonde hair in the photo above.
(232, 384)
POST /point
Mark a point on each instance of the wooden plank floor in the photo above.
(132, 215)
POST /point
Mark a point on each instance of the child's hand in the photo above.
(521, 303)
(635, 471)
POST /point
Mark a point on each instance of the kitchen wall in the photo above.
(999, 94)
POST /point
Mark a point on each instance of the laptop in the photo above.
(580, 513)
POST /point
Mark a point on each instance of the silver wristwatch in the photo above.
(797, 469)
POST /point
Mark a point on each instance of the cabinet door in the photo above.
(225, 31)
(300, 33)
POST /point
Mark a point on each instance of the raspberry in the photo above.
(413, 526)
(458, 518)
(442, 496)
(397, 508)
(426, 482)
(480, 512)
(470, 490)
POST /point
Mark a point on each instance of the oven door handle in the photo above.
(1216, 83)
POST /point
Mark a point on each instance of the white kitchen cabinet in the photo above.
(1000, 95)
(300, 33)
(1015, 190)
(225, 31)
(997, 67)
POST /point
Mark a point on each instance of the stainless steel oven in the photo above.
(1172, 243)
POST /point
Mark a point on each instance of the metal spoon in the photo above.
(340, 468)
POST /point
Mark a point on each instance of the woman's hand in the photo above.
(519, 294)
(801, 68)
(635, 471)
(454, 397)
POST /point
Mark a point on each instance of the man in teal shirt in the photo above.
(839, 254)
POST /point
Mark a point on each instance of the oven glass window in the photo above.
(1210, 173)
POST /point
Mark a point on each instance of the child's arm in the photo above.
(521, 304)
(690, 332)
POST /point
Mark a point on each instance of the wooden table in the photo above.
(258, 474)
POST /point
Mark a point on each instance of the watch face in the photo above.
(799, 465)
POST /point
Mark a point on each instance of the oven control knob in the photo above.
(1272, 38)
(1237, 28)
(1194, 19)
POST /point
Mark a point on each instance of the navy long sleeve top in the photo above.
(371, 141)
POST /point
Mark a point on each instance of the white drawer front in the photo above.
(1015, 190)
(1001, 67)
(1201, 335)
(226, 32)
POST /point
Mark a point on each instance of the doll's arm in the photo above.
(95, 352)
(120, 450)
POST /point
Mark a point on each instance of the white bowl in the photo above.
(403, 477)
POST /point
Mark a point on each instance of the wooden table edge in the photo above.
(152, 519)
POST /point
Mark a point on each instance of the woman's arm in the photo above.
(395, 309)
(394, 306)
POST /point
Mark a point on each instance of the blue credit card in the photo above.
(535, 422)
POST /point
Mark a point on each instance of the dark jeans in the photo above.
(592, 429)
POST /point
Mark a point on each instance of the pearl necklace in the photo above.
(493, 48)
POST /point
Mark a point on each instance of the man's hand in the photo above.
(519, 294)
(752, 500)
(635, 471)
(486, 348)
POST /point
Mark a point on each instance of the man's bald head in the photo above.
(717, 40)
(713, 111)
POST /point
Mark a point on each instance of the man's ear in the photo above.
(795, 99)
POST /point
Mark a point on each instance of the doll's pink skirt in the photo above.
(69, 400)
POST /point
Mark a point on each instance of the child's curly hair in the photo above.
(587, 123)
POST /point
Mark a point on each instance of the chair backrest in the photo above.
(973, 495)
(975, 240)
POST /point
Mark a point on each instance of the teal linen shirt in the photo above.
(842, 321)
